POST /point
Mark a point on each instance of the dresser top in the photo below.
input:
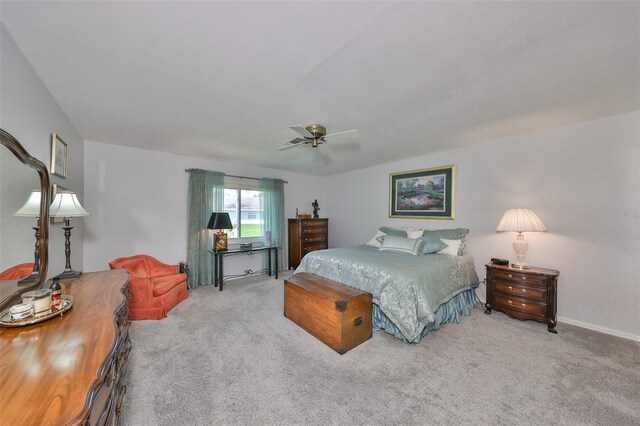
(47, 369)
(532, 270)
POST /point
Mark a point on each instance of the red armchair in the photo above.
(155, 286)
(17, 272)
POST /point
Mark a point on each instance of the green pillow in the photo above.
(431, 244)
(401, 245)
(393, 231)
(451, 234)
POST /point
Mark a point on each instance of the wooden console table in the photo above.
(70, 369)
(218, 256)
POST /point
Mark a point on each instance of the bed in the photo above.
(412, 295)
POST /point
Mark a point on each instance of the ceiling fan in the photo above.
(314, 134)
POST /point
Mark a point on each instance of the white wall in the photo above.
(30, 113)
(138, 201)
(583, 181)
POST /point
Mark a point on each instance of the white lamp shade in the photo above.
(32, 207)
(521, 220)
(66, 204)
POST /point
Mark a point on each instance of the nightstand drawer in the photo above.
(533, 308)
(532, 293)
(519, 278)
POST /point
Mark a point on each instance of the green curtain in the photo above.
(205, 195)
(273, 206)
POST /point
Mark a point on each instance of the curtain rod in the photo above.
(235, 176)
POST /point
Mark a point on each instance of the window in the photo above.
(245, 210)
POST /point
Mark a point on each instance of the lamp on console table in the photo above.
(520, 220)
(220, 221)
(32, 209)
(66, 205)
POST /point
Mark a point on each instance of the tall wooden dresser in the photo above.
(305, 236)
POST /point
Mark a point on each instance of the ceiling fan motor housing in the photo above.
(317, 130)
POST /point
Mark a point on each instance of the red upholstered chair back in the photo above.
(135, 265)
(17, 272)
(143, 266)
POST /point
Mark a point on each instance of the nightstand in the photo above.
(525, 294)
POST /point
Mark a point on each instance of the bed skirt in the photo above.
(447, 313)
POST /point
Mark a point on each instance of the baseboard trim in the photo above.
(604, 330)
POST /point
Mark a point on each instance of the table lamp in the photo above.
(32, 209)
(220, 221)
(520, 220)
(66, 205)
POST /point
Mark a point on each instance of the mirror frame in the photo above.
(43, 243)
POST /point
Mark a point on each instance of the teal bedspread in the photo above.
(407, 289)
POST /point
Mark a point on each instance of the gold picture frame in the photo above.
(59, 158)
(424, 193)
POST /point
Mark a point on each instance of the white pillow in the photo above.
(375, 243)
(401, 244)
(452, 247)
(414, 233)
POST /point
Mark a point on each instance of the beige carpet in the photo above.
(232, 358)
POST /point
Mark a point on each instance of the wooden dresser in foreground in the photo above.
(70, 369)
(305, 236)
(523, 293)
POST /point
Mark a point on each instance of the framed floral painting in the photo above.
(423, 194)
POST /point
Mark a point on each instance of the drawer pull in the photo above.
(522, 304)
(510, 276)
(515, 291)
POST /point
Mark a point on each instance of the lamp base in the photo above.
(30, 279)
(521, 247)
(35, 274)
(68, 273)
(520, 265)
(220, 241)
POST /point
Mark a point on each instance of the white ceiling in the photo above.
(224, 80)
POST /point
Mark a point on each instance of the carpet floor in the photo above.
(232, 358)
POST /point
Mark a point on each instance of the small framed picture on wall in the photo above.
(58, 156)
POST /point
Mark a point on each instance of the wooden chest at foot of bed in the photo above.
(337, 315)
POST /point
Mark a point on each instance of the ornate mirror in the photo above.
(24, 237)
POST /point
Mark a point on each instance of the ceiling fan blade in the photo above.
(296, 141)
(353, 132)
(300, 129)
(288, 145)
